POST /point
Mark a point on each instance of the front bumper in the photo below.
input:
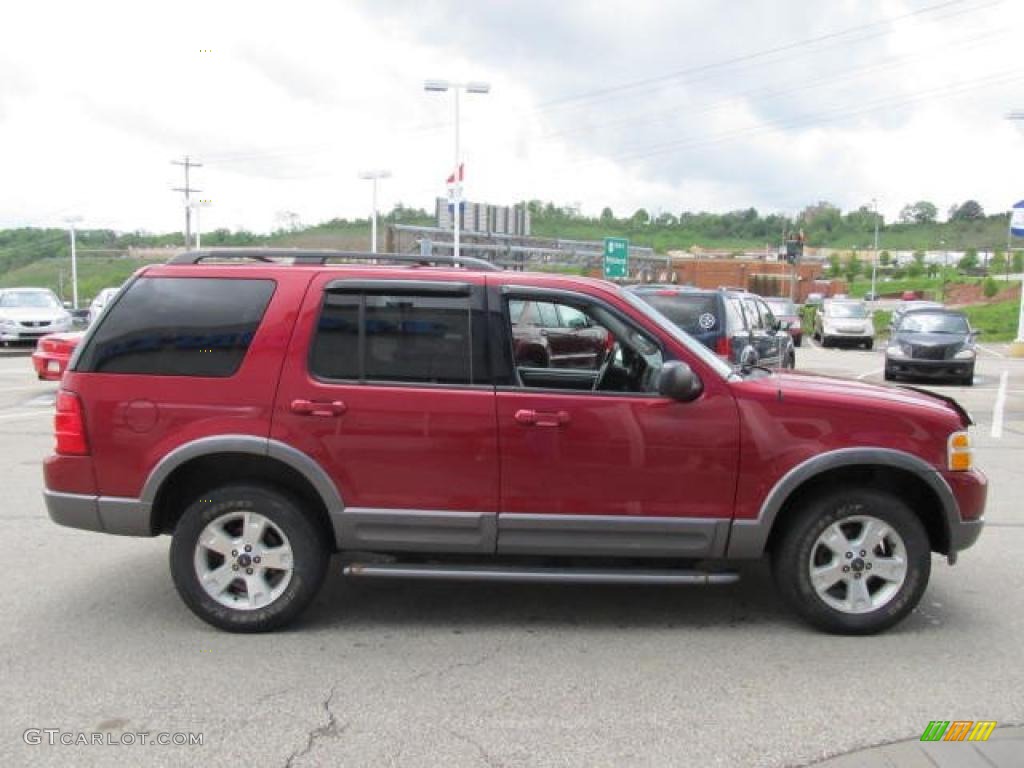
(107, 514)
(31, 334)
(909, 366)
(970, 489)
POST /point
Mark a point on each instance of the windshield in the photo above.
(694, 346)
(846, 310)
(781, 306)
(30, 299)
(920, 322)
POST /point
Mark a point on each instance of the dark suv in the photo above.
(737, 325)
(267, 409)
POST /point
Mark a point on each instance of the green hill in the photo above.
(94, 274)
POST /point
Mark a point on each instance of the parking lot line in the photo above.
(992, 352)
(1000, 405)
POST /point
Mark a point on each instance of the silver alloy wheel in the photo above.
(243, 560)
(858, 564)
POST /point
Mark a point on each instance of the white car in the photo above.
(844, 321)
(100, 302)
(28, 313)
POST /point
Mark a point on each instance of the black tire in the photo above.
(791, 360)
(889, 375)
(791, 559)
(798, 341)
(869, 344)
(310, 556)
(826, 342)
(967, 379)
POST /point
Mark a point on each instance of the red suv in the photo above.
(267, 409)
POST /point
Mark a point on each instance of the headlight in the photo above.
(964, 354)
(6, 323)
(895, 350)
(960, 452)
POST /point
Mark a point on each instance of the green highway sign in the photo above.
(616, 257)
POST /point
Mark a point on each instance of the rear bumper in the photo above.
(107, 514)
(44, 369)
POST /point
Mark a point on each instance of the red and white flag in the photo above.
(461, 173)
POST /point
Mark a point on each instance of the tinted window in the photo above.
(694, 313)
(171, 326)
(401, 338)
(753, 318)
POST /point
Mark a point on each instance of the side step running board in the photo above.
(534, 574)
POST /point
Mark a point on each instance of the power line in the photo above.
(187, 190)
(602, 93)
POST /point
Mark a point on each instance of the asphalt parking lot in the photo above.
(94, 638)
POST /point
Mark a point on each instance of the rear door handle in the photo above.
(311, 408)
(542, 418)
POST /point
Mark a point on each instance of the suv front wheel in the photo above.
(853, 561)
(245, 558)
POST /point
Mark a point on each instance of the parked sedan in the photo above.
(26, 314)
(844, 321)
(100, 302)
(932, 343)
(786, 312)
(52, 354)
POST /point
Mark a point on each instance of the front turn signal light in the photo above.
(960, 452)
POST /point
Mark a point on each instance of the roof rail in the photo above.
(301, 256)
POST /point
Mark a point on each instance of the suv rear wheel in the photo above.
(853, 561)
(245, 558)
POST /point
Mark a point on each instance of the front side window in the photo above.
(593, 350)
(178, 326)
(429, 339)
(753, 317)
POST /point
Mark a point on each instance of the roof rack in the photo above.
(299, 256)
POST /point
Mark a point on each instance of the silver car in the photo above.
(844, 321)
(28, 313)
(100, 302)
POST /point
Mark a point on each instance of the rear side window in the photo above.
(174, 326)
(694, 314)
(431, 339)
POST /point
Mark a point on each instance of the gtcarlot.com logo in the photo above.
(54, 736)
(958, 730)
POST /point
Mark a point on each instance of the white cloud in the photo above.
(293, 100)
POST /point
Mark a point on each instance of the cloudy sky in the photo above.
(665, 104)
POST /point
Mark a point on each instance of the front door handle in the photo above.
(542, 418)
(312, 408)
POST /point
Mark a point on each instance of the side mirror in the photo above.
(678, 381)
(748, 358)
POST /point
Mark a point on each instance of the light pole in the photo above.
(196, 205)
(456, 88)
(71, 221)
(874, 263)
(1017, 347)
(374, 176)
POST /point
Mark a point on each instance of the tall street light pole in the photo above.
(197, 205)
(874, 263)
(374, 176)
(71, 221)
(456, 88)
(1017, 347)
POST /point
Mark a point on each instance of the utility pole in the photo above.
(187, 163)
(71, 221)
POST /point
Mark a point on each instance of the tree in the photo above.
(1018, 261)
(969, 211)
(997, 263)
(968, 261)
(991, 288)
(606, 215)
(852, 267)
(921, 212)
(641, 217)
(933, 270)
(884, 258)
(835, 266)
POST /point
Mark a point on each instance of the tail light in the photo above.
(723, 346)
(69, 425)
